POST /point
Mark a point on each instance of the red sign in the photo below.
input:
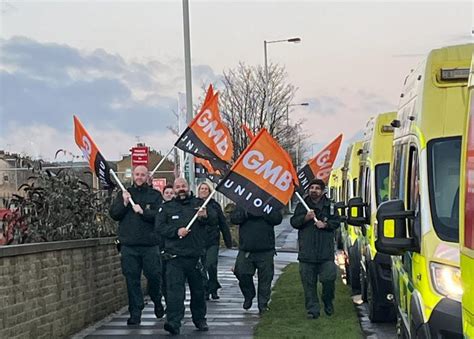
(140, 156)
(159, 184)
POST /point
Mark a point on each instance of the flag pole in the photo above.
(121, 185)
(161, 162)
(304, 203)
(200, 209)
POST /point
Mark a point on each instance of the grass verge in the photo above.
(287, 315)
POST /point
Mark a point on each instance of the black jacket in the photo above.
(256, 234)
(316, 245)
(177, 213)
(214, 232)
(136, 229)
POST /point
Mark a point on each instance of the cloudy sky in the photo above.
(119, 65)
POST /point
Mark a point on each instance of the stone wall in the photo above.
(52, 290)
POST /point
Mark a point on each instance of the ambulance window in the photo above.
(399, 172)
(332, 193)
(381, 182)
(413, 181)
(367, 186)
(360, 189)
(367, 193)
(444, 157)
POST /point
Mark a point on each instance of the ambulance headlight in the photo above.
(447, 280)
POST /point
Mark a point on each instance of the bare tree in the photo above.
(243, 102)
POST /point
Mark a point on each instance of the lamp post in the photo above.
(188, 75)
(288, 108)
(267, 80)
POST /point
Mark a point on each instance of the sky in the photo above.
(119, 65)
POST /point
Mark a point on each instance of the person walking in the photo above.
(256, 252)
(210, 256)
(139, 243)
(184, 247)
(316, 248)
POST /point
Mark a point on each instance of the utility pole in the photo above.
(189, 93)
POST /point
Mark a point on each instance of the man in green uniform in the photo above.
(139, 243)
(316, 248)
(184, 247)
(256, 252)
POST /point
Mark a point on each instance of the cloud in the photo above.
(44, 84)
(325, 105)
(41, 141)
(344, 110)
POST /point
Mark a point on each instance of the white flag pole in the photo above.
(200, 209)
(121, 185)
(304, 203)
(161, 162)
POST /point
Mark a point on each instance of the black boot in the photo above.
(247, 304)
(202, 325)
(159, 311)
(172, 330)
(134, 320)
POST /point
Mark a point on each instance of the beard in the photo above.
(182, 194)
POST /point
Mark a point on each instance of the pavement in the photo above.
(225, 316)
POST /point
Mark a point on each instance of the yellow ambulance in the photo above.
(375, 267)
(419, 226)
(335, 194)
(349, 233)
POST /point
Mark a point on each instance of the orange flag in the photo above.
(209, 95)
(207, 136)
(263, 178)
(91, 153)
(321, 165)
(204, 169)
(248, 131)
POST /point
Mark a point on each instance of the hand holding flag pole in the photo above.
(304, 204)
(121, 185)
(200, 209)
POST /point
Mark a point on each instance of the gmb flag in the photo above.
(204, 169)
(247, 130)
(91, 153)
(262, 179)
(320, 166)
(207, 136)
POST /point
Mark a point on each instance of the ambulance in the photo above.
(349, 233)
(419, 226)
(375, 267)
(335, 194)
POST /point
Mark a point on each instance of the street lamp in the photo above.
(267, 80)
(288, 108)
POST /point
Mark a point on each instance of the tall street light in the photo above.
(187, 70)
(288, 109)
(267, 80)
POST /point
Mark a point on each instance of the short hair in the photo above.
(168, 186)
(180, 179)
(318, 182)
